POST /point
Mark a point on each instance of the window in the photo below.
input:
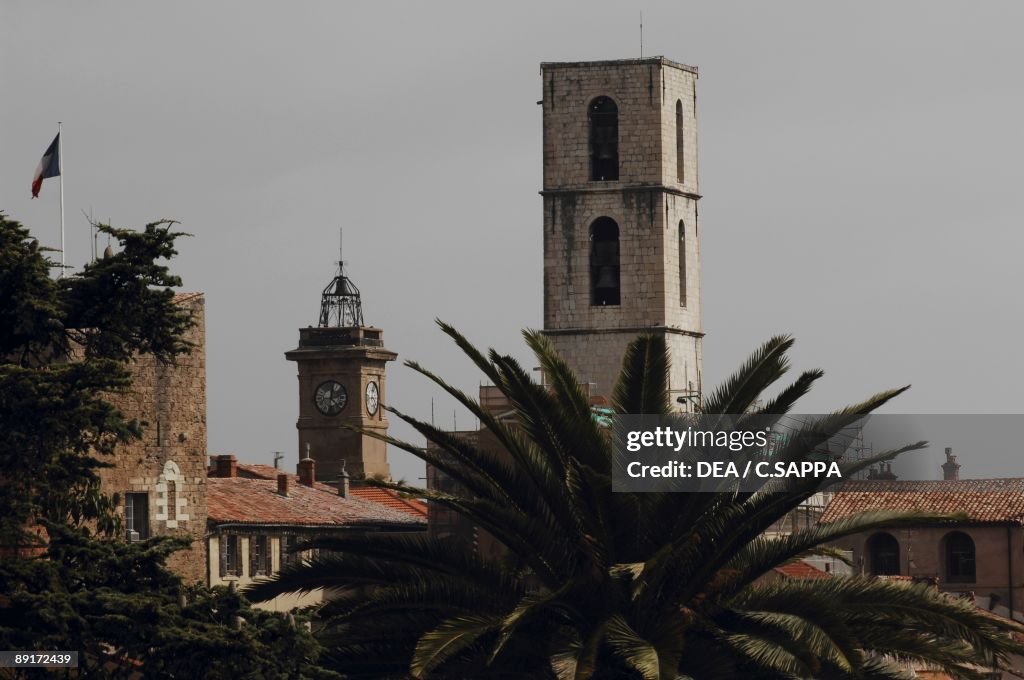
(682, 264)
(230, 555)
(604, 140)
(289, 541)
(604, 262)
(172, 501)
(680, 147)
(884, 552)
(259, 556)
(136, 516)
(960, 567)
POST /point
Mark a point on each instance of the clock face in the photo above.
(372, 398)
(330, 397)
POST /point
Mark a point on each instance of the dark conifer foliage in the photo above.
(64, 344)
(125, 613)
(66, 580)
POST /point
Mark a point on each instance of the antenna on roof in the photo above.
(641, 34)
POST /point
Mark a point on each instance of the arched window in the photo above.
(604, 262)
(604, 140)
(680, 147)
(884, 553)
(682, 263)
(959, 549)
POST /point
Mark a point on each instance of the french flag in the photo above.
(49, 166)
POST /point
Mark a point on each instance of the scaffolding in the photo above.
(846, 447)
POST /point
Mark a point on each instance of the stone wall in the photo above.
(645, 92)
(597, 358)
(168, 465)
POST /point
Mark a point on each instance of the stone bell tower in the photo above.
(341, 364)
(621, 236)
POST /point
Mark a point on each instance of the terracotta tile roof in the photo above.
(387, 497)
(392, 499)
(801, 570)
(251, 500)
(984, 500)
(258, 471)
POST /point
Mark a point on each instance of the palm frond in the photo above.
(740, 390)
(642, 387)
(451, 637)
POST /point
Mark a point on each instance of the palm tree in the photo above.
(598, 584)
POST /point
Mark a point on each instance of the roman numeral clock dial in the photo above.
(330, 398)
(372, 398)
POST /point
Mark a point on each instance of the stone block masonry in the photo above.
(653, 203)
(161, 478)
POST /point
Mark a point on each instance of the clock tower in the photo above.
(341, 364)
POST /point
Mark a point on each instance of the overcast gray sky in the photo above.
(860, 165)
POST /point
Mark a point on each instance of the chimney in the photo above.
(343, 481)
(225, 465)
(951, 468)
(307, 469)
(282, 484)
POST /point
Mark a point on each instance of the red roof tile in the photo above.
(249, 500)
(392, 499)
(258, 471)
(801, 570)
(983, 500)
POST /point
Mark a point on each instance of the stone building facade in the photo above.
(980, 557)
(621, 233)
(161, 478)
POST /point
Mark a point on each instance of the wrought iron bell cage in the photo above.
(340, 303)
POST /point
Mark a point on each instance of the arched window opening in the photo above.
(604, 140)
(680, 146)
(884, 553)
(960, 567)
(682, 264)
(172, 500)
(604, 262)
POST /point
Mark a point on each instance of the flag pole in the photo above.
(60, 166)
